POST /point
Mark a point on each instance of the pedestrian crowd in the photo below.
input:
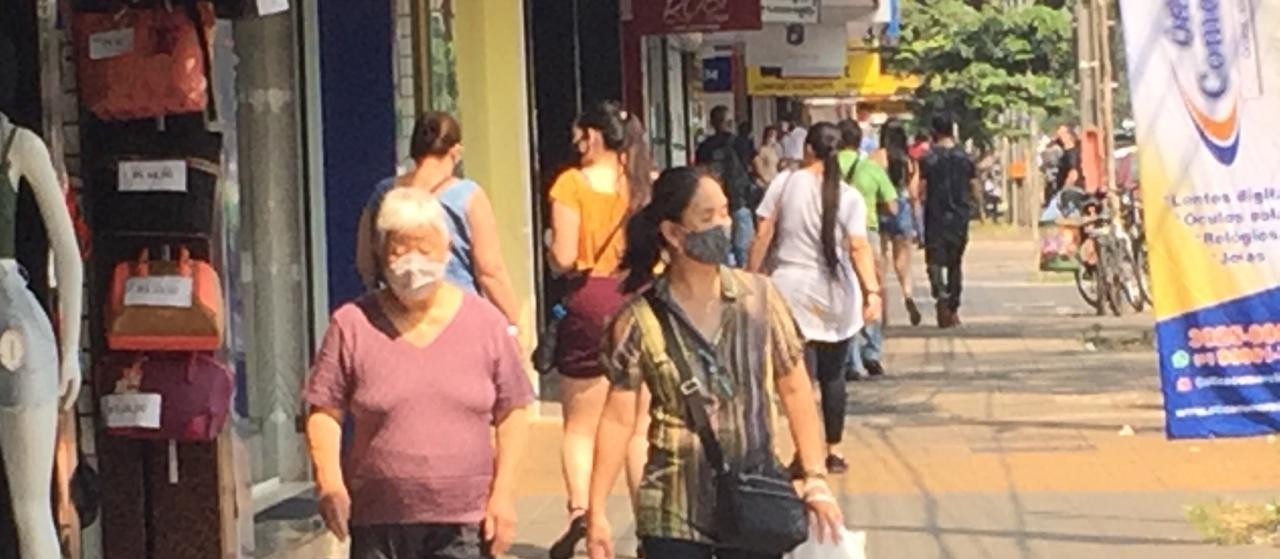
(698, 304)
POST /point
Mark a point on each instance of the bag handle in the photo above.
(691, 389)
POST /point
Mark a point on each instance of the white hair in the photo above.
(408, 208)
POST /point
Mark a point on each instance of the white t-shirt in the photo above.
(827, 308)
(793, 144)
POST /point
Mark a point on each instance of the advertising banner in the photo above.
(658, 17)
(1206, 96)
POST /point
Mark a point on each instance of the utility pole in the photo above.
(1106, 114)
(1086, 51)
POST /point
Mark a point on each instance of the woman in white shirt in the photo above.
(812, 240)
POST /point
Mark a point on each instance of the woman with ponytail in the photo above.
(733, 332)
(813, 235)
(590, 204)
(899, 228)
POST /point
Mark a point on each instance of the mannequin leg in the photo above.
(29, 435)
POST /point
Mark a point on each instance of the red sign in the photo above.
(659, 17)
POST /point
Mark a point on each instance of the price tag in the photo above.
(131, 411)
(158, 291)
(153, 176)
(13, 349)
(268, 7)
(110, 44)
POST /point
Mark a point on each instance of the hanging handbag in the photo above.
(165, 305)
(145, 62)
(544, 354)
(193, 391)
(756, 511)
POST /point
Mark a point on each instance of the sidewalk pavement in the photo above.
(1006, 438)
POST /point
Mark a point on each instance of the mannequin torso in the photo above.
(36, 376)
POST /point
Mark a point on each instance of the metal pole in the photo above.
(1085, 51)
(272, 245)
(1107, 105)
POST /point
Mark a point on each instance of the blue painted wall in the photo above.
(358, 94)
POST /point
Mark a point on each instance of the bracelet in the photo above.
(816, 486)
(820, 498)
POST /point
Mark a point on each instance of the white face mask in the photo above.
(413, 276)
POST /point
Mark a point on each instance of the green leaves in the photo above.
(980, 58)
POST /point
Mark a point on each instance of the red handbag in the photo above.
(138, 63)
(165, 305)
(194, 392)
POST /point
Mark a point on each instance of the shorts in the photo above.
(411, 541)
(901, 224)
(31, 379)
(588, 310)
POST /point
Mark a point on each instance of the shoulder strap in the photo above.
(853, 171)
(691, 389)
(8, 144)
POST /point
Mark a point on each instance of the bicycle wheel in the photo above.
(1112, 286)
(1143, 267)
(1086, 284)
(1130, 279)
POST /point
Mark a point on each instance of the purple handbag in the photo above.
(193, 391)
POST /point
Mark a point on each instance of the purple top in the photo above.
(423, 450)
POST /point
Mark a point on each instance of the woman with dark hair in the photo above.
(813, 232)
(476, 264)
(738, 328)
(590, 204)
(899, 229)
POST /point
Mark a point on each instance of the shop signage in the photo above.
(153, 176)
(1206, 97)
(799, 50)
(158, 291)
(862, 76)
(717, 74)
(790, 11)
(658, 17)
(131, 411)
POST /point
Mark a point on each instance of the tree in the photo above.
(978, 59)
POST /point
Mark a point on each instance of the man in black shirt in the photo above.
(948, 175)
(728, 158)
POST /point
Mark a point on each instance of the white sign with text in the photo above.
(110, 44)
(158, 291)
(153, 176)
(131, 411)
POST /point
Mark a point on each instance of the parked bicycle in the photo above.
(1108, 277)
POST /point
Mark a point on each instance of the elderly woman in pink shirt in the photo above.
(429, 373)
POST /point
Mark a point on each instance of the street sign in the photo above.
(790, 11)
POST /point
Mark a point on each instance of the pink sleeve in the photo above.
(329, 385)
(512, 388)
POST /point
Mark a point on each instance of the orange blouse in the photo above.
(602, 215)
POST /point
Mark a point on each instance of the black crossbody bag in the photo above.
(758, 512)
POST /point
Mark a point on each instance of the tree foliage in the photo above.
(980, 58)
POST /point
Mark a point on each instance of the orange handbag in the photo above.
(138, 63)
(165, 305)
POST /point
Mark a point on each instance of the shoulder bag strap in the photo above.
(8, 146)
(853, 171)
(691, 389)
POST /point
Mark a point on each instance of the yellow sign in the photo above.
(863, 77)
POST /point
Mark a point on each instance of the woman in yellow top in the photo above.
(590, 204)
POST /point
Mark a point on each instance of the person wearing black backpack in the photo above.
(727, 157)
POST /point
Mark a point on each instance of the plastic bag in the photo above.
(853, 545)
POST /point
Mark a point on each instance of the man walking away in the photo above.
(728, 159)
(948, 175)
(873, 184)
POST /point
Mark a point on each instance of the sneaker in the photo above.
(836, 464)
(914, 312)
(567, 545)
(874, 368)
